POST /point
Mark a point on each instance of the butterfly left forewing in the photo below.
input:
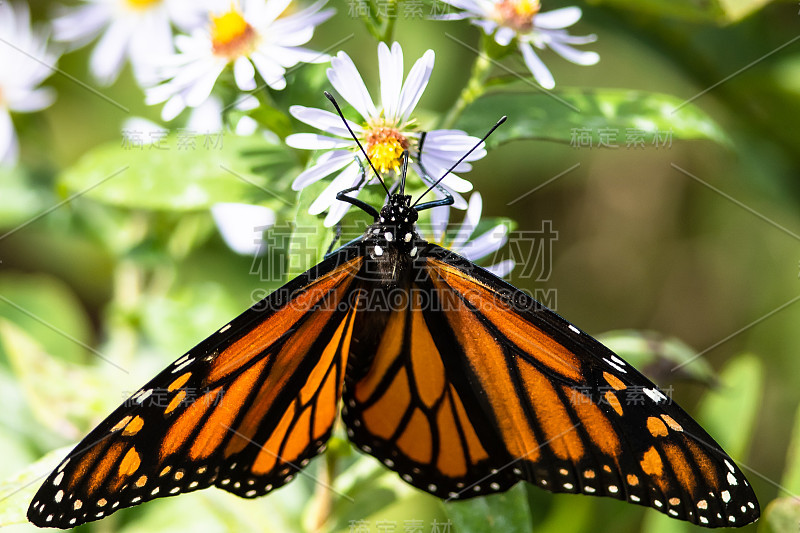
(573, 415)
(244, 410)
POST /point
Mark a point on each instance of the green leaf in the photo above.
(375, 488)
(655, 521)
(719, 11)
(18, 201)
(729, 412)
(272, 119)
(659, 357)
(186, 173)
(17, 492)
(47, 310)
(508, 512)
(66, 408)
(567, 513)
(585, 117)
(781, 515)
(791, 472)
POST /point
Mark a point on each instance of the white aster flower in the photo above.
(385, 131)
(521, 19)
(24, 60)
(462, 242)
(251, 37)
(139, 30)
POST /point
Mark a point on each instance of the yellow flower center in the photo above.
(385, 147)
(231, 35)
(517, 14)
(142, 4)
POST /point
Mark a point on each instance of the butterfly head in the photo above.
(393, 232)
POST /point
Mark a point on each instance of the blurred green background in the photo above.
(705, 253)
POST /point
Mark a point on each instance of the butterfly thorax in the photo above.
(392, 241)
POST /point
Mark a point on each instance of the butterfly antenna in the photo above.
(330, 97)
(405, 171)
(437, 182)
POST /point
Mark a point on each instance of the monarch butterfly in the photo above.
(456, 380)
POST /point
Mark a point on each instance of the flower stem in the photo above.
(475, 87)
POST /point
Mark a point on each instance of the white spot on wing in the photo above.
(574, 329)
(615, 366)
(182, 365)
(145, 395)
(617, 360)
(726, 496)
(654, 394)
(732, 479)
(58, 479)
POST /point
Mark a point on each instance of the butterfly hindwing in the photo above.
(535, 399)
(244, 410)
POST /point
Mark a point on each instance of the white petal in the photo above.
(328, 163)
(9, 148)
(415, 84)
(269, 70)
(471, 219)
(558, 18)
(339, 183)
(241, 225)
(312, 141)
(473, 6)
(347, 81)
(455, 183)
(504, 36)
(244, 74)
(247, 102)
(138, 130)
(503, 268)
(270, 11)
(488, 26)
(35, 100)
(458, 200)
(246, 126)
(108, 55)
(207, 117)
(537, 68)
(391, 75)
(323, 120)
(201, 89)
(440, 216)
(338, 208)
(173, 108)
(486, 244)
(578, 57)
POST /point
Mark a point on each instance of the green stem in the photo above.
(475, 87)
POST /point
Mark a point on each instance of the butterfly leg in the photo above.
(448, 198)
(336, 238)
(342, 195)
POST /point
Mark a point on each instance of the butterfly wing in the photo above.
(244, 410)
(474, 385)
